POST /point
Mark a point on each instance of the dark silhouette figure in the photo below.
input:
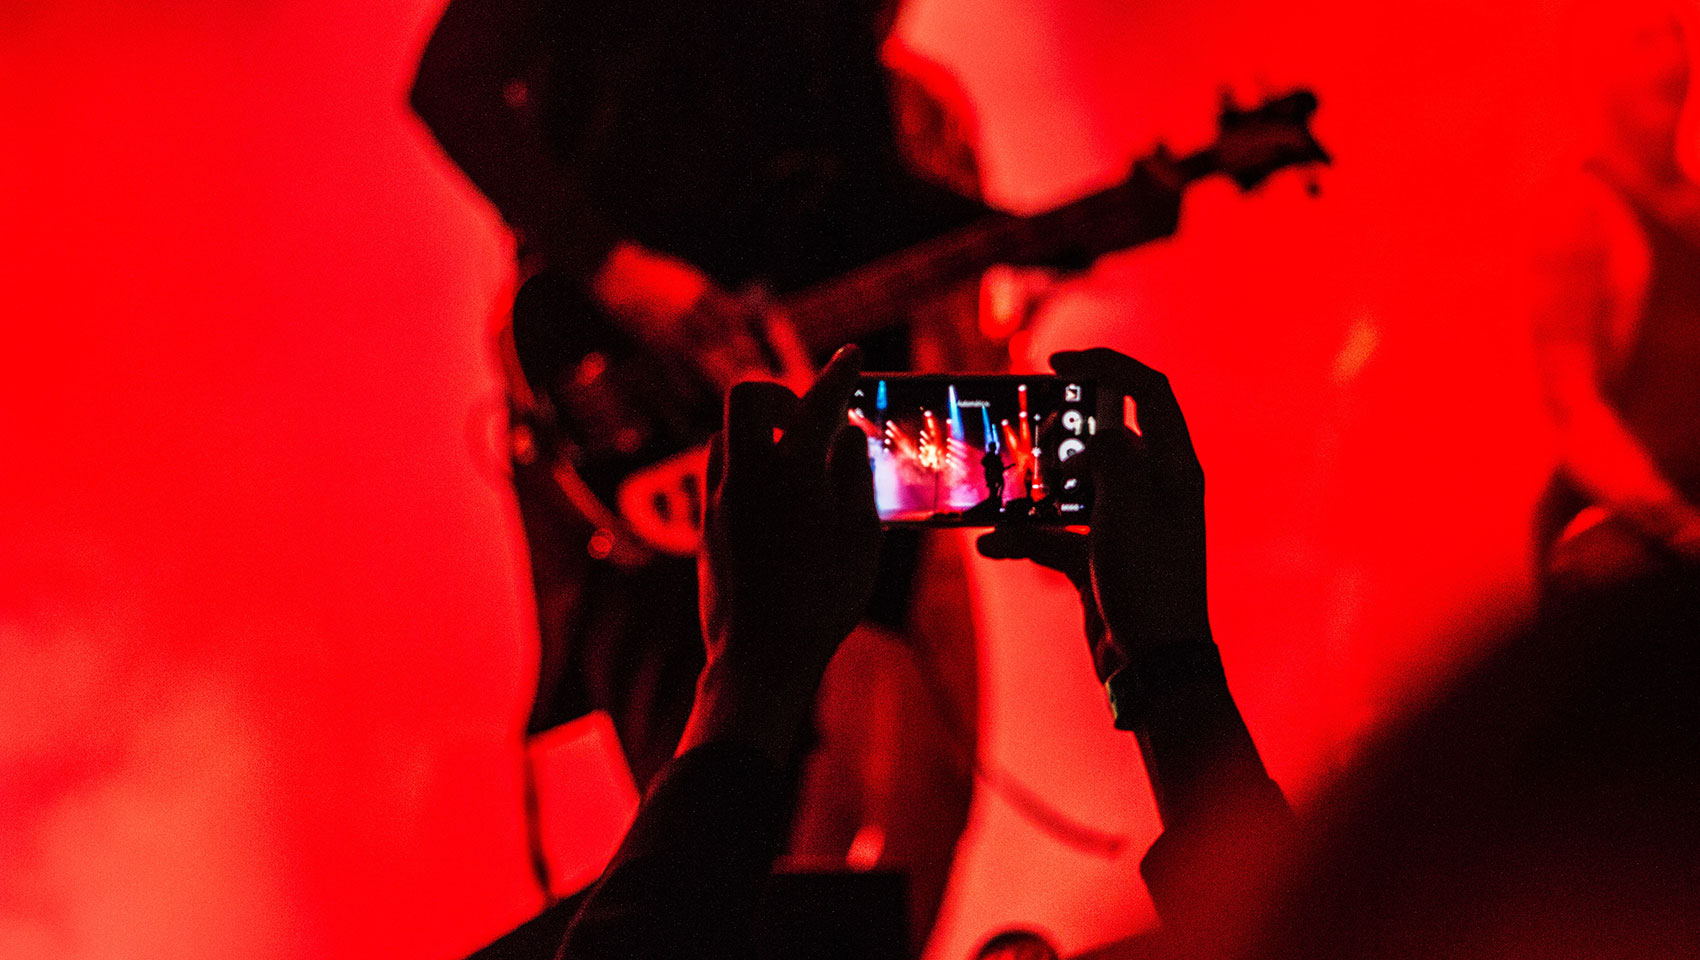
(654, 159)
(1543, 808)
(651, 158)
(790, 555)
(992, 465)
(990, 509)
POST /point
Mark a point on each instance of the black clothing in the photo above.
(754, 140)
(993, 466)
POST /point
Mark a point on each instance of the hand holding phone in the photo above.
(790, 548)
(1141, 570)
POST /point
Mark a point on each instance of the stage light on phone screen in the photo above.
(973, 450)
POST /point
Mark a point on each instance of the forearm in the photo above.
(1225, 822)
(1198, 753)
(687, 879)
(754, 704)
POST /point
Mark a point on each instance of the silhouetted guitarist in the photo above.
(653, 157)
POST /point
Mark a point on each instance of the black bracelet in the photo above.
(1135, 688)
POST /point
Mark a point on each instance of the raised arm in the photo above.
(1141, 574)
(790, 543)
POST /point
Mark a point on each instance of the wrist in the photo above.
(1159, 676)
(762, 709)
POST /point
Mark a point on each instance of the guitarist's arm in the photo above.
(473, 90)
(1577, 296)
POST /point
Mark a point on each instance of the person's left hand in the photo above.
(790, 543)
(1141, 569)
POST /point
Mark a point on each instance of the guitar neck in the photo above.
(880, 294)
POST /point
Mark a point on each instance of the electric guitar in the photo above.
(628, 451)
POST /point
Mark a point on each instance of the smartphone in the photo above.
(975, 450)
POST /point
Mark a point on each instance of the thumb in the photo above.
(850, 475)
(1049, 547)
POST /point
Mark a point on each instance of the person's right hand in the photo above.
(1141, 569)
(790, 545)
(687, 319)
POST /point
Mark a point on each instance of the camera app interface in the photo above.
(974, 450)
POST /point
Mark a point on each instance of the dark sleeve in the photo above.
(470, 90)
(1226, 824)
(686, 881)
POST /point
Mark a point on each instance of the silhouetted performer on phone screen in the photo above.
(992, 464)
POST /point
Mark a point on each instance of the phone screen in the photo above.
(975, 450)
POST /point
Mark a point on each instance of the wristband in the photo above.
(1135, 688)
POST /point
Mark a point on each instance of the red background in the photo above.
(265, 648)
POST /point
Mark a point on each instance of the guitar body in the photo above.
(627, 427)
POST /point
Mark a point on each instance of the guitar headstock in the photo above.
(1253, 143)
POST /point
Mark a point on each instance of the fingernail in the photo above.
(1130, 415)
(846, 352)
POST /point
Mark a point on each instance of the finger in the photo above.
(821, 411)
(795, 371)
(1059, 550)
(1119, 464)
(716, 461)
(1159, 413)
(851, 475)
(1113, 453)
(754, 410)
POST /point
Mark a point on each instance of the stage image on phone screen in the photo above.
(973, 450)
